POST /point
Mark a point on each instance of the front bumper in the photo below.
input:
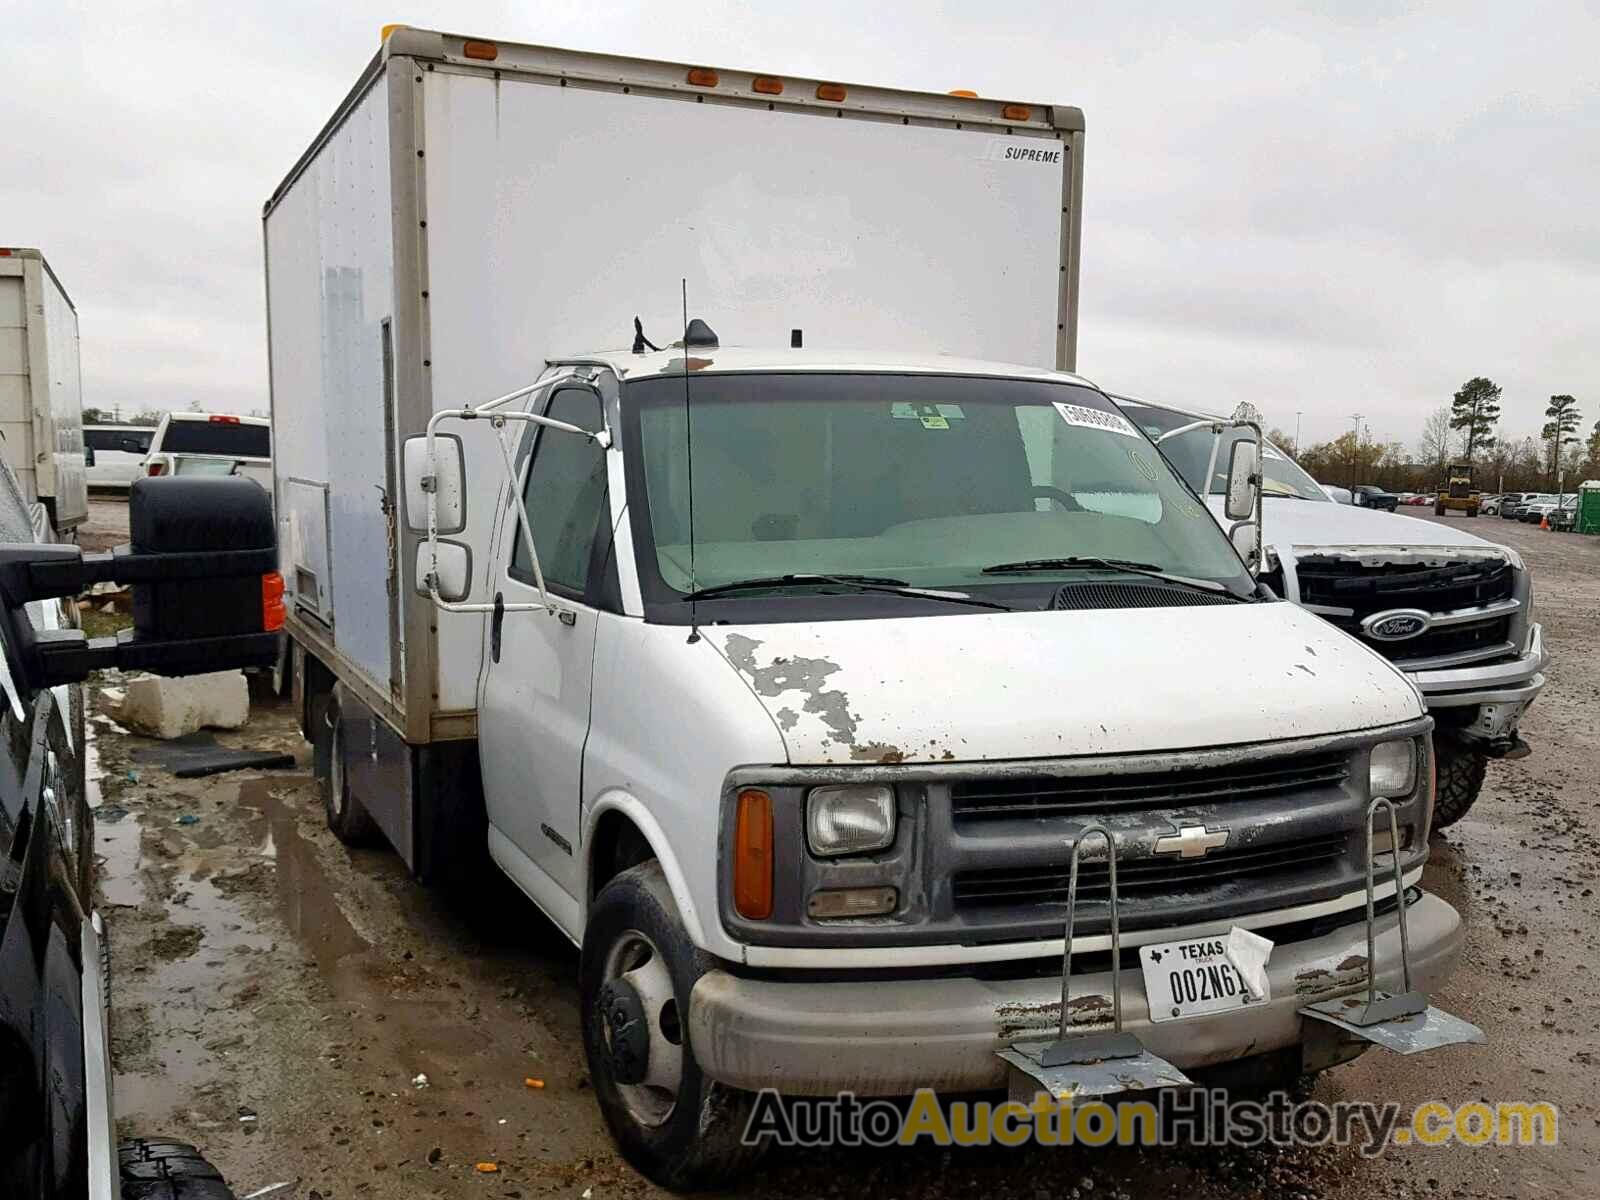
(889, 1038)
(1514, 681)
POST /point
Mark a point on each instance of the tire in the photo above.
(682, 1140)
(1472, 512)
(350, 822)
(158, 1170)
(1461, 772)
(1438, 510)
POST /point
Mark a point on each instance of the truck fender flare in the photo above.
(644, 820)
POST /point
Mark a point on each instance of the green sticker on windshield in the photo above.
(932, 416)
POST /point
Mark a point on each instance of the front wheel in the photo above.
(1438, 510)
(680, 1129)
(1461, 772)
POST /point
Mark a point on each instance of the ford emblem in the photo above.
(1397, 624)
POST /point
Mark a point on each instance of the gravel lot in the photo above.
(275, 995)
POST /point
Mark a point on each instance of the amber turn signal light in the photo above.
(752, 856)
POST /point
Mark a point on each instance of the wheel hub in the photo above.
(627, 1031)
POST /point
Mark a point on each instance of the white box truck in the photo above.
(41, 398)
(793, 681)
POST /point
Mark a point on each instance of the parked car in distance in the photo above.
(1537, 510)
(116, 453)
(1420, 499)
(1511, 503)
(212, 444)
(1566, 516)
(1339, 495)
(1490, 505)
(1367, 495)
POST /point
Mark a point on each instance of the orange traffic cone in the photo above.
(1544, 523)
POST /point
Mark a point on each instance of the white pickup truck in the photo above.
(798, 686)
(1452, 610)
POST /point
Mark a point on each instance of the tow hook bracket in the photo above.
(1405, 1022)
(1076, 1065)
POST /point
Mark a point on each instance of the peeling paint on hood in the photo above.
(1047, 684)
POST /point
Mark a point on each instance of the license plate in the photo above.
(1191, 979)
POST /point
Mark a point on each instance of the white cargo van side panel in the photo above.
(556, 214)
(330, 290)
(16, 394)
(58, 427)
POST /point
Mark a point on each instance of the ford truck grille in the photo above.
(1162, 876)
(1346, 591)
(1049, 796)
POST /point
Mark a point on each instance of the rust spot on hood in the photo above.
(879, 752)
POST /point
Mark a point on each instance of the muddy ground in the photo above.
(276, 996)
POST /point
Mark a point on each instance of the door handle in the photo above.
(566, 616)
(495, 623)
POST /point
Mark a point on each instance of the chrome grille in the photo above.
(1358, 591)
(1167, 876)
(1054, 796)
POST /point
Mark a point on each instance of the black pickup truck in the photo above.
(56, 1114)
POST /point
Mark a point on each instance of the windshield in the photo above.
(1191, 452)
(920, 479)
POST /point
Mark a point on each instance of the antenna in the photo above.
(688, 453)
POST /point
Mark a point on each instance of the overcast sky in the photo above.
(1321, 213)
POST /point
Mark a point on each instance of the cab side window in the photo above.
(565, 496)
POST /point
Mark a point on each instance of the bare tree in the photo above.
(1433, 448)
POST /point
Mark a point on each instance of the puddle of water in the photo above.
(305, 900)
(117, 836)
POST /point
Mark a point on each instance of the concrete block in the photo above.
(169, 708)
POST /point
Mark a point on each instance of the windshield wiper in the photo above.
(1088, 563)
(860, 583)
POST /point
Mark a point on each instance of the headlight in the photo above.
(1393, 771)
(849, 819)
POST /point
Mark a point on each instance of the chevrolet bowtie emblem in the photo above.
(1192, 841)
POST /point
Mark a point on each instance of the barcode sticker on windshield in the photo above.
(1096, 418)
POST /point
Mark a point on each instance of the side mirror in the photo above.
(1242, 483)
(454, 573)
(203, 565)
(445, 478)
(88, 455)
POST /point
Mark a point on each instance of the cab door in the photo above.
(533, 704)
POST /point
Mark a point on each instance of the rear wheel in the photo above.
(350, 822)
(158, 1170)
(1438, 510)
(1461, 773)
(679, 1128)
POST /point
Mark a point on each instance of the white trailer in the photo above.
(41, 398)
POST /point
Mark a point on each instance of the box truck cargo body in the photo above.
(460, 220)
(41, 400)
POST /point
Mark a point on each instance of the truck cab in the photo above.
(800, 674)
(1455, 612)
